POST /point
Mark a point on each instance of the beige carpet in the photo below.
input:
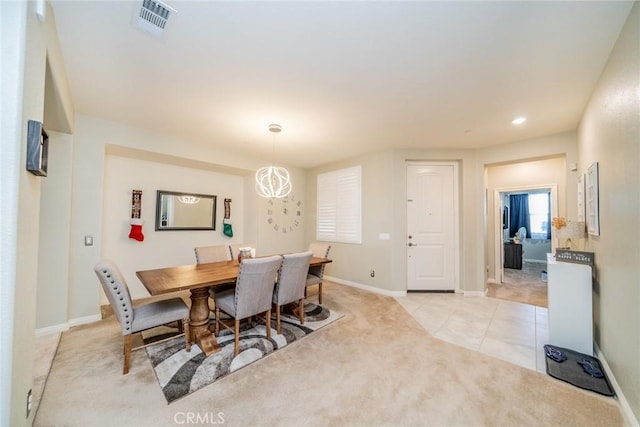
(375, 367)
(523, 285)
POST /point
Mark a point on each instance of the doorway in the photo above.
(432, 226)
(520, 263)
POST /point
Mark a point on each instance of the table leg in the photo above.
(199, 322)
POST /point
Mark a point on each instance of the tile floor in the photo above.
(511, 331)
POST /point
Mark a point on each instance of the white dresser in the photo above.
(569, 290)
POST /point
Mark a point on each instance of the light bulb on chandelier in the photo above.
(188, 199)
(273, 181)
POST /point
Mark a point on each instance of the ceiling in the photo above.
(342, 78)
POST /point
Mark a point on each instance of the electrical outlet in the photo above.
(29, 402)
(373, 273)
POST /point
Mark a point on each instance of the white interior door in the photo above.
(431, 225)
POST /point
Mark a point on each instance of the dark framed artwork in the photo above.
(37, 148)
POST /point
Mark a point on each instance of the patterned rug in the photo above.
(180, 373)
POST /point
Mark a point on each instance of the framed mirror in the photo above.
(185, 211)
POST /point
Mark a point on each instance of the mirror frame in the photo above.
(161, 193)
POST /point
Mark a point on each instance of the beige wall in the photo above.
(352, 262)
(384, 209)
(93, 139)
(536, 173)
(55, 223)
(159, 248)
(610, 135)
(468, 262)
(40, 42)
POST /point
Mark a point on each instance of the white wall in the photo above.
(609, 134)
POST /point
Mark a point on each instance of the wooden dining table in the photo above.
(198, 279)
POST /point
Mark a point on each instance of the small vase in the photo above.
(244, 253)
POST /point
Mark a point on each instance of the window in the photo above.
(531, 211)
(339, 206)
(539, 215)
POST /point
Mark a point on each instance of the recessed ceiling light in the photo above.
(519, 120)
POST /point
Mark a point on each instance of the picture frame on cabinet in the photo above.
(592, 196)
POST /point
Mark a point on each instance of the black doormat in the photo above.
(578, 369)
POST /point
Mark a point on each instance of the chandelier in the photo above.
(273, 181)
(188, 199)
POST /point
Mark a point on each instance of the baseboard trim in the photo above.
(535, 261)
(84, 320)
(367, 287)
(474, 293)
(50, 330)
(54, 329)
(629, 417)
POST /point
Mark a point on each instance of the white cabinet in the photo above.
(569, 291)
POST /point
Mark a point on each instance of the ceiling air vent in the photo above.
(152, 16)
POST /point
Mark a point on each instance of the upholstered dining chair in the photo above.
(252, 295)
(292, 279)
(206, 254)
(316, 273)
(137, 319)
(234, 249)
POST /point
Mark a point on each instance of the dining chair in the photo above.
(206, 254)
(137, 319)
(234, 249)
(252, 295)
(316, 273)
(292, 279)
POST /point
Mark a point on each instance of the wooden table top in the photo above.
(172, 279)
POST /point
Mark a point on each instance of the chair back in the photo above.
(254, 287)
(320, 250)
(205, 254)
(292, 278)
(234, 249)
(117, 292)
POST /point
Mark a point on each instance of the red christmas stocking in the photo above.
(136, 229)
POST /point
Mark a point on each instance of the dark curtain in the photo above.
(519, 216)
(549, 216)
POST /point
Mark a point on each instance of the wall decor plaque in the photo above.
(575, 257)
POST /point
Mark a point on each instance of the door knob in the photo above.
(410, 236)
(410, 244)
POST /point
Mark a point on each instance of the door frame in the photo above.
(498, 251)
(456, 216)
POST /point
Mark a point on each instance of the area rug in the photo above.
(574, 368)
(180, 373)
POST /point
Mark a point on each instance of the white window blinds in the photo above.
(339, 206)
